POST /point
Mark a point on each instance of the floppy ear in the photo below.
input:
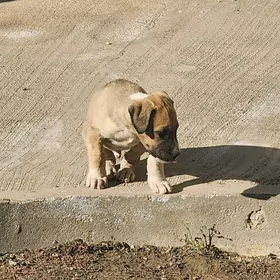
(140, 113)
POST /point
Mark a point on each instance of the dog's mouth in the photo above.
(161, 159)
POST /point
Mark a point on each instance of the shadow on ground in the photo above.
(260, 165)
(3, 1)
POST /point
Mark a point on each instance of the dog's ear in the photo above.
(141, 112)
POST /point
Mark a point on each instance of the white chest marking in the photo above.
(138, 96)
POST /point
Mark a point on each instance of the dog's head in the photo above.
(155, 120)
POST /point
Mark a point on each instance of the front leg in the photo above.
(126, 173)
(156, 178)
(96, 177)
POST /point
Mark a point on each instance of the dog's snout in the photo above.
(176, 155)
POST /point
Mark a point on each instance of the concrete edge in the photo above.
(252, 225)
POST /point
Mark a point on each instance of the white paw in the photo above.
(95, 180)
(160, 186)
(125, 175)
(110, 169)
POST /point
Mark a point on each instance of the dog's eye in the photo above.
(162, 133)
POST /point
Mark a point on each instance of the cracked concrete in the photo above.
(220, 63)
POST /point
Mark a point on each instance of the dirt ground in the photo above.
(110, 260)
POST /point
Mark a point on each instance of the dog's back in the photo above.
(112, 100)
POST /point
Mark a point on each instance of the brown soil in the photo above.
(109, 260)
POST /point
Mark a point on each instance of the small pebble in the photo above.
(12, 263)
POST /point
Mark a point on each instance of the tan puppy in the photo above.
(122, 116)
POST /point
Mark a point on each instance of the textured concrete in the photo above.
(142, 219)
(219, 60)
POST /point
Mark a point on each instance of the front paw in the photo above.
(125, 175)
(160, 186)
(95, 180)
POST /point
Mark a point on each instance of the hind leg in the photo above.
(96, 177)
(110, 164)
(126, 173)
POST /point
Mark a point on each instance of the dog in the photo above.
(122, 116)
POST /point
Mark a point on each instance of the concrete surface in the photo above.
(141, 219)
(219, 60)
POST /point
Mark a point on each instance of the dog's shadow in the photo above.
(3, 1)
(260, 165)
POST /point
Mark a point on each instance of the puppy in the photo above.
(122, 116)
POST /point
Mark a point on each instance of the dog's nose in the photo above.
(176, 155)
